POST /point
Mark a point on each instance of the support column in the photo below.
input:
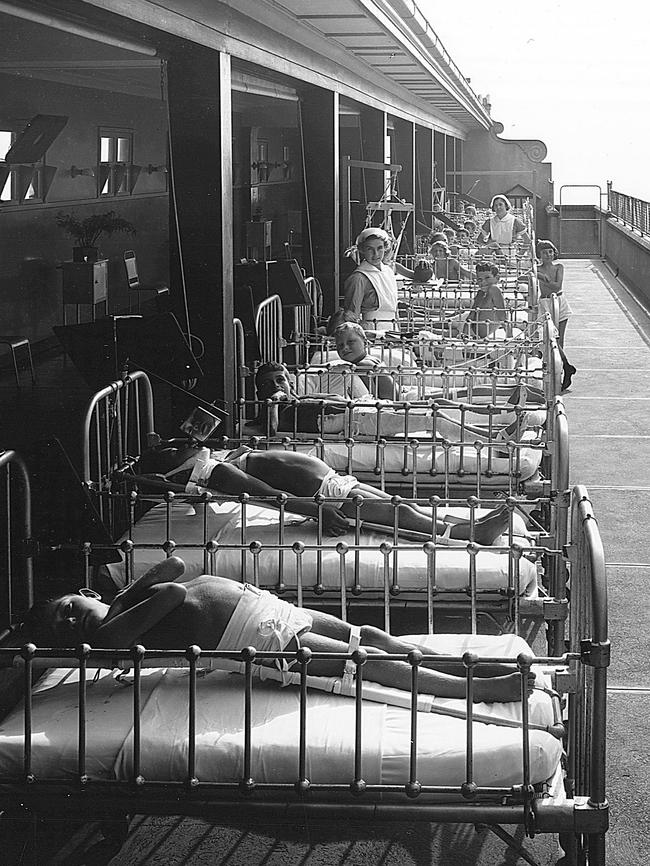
(373, 136)
(405, 156)
(320, 131)
(199, 94)
(423, 177)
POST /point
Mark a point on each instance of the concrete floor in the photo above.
(608, 340)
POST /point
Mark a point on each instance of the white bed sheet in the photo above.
(364, 457)
(330, 729)
(451, 564)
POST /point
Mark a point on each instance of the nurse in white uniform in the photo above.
(371, 290)
(503, 228)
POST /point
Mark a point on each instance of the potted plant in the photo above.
(86, 232)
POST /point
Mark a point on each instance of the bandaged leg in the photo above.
(348, 680)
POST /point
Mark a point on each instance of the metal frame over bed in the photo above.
(574, 805)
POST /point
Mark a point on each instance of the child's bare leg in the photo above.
(333, 627)
(382, 640)
(397, 675)
(377, 508)
(447, 427)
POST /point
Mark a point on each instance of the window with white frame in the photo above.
(18, 183)
(115, 163)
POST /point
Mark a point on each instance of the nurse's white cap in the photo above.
(371, 232)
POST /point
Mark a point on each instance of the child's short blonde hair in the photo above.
(351, 326)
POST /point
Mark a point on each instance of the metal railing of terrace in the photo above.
(634, 212)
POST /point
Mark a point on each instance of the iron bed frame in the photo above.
(484, 358)
(579, 815)
(119, 425)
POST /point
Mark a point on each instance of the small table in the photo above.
(85, 283)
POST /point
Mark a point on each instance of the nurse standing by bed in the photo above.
(503, 228)
(371, 290)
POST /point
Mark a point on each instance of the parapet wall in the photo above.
(589, 232)
(628, 253)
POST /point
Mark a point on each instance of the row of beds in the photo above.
(107, 733)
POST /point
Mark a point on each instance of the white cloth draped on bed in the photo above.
(386, 738)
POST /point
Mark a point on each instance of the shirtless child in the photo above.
(276, 472)
(218, 613)
(325, 413)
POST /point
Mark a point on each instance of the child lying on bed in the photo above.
(160, 612)
(276, 472)
(326, 413)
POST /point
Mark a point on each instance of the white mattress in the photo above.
(397, 457)
(451, 564)
(330, 730)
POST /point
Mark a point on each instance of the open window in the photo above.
(24, 174)
(116, 172)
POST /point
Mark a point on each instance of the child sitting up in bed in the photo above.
(160, 612)
(276, 472)
(336, 380)
(489, 307)
(351, 344)
(326, 413)
(487, 312)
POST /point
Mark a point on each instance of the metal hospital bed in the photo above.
(86, 738)
(385, 571)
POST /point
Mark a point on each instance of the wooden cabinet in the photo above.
(85, 282)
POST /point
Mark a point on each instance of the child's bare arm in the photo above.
(124, 629)
(166, 571)
(547, 285)
(402, 271)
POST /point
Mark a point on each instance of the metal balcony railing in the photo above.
(634, 212)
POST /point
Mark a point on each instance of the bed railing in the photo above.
(390, 443)
(404, 800)
(301, 562)
(316, 295)
(16, 542)
(558, 521)
(118, 426)
(579, 814)
(268, 327)
(241, 371)
(589, 650)
(305, 318)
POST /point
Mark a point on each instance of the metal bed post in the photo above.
(583, 838)
(92, 470)
(268, 327)
(559, 518)
(240, 371)
(18, 526)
